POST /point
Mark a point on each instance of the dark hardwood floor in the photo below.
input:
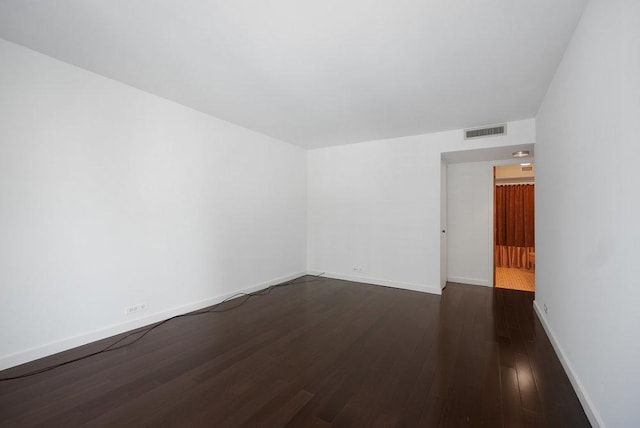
(316, 353)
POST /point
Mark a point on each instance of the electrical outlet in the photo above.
(546, 311)
(131, 310)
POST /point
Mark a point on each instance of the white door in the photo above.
(443, 224)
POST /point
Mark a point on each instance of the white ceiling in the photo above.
(315, 73)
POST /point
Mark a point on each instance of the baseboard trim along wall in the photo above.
(376, 281)
(73, 342)
(587, 404)
(472, 281)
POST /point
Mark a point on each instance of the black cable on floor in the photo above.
(150, 328)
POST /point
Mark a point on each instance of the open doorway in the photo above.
(514, 227)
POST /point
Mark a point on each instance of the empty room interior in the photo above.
(245, 213)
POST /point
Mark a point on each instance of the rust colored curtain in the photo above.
(514, 226)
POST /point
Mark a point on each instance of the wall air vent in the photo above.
(490, 131)
(527, 168)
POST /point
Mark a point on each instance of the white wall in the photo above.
(470, 222)
(369, 211)
(506, 172)
(587, 211)
(375, 206)
(111, 197)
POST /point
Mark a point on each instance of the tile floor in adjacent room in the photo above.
(515, 279)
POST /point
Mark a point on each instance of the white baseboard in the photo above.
(316, 273)
(72, 342)
(472, 281)
(376, 281)
(590, 410)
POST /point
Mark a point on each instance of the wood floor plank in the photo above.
(320, 352)
(280, 411)
(512, 411)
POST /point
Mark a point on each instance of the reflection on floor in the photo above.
(515, 279)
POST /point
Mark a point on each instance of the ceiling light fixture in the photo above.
(526, 164)
(521, 154)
